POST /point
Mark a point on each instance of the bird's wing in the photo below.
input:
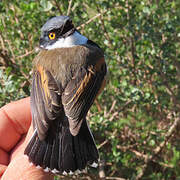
(80, 93)
(45, 100)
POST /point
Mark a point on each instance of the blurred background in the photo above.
(135, 120)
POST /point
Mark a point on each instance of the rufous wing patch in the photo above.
(44, 82)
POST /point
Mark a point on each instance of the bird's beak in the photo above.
(41, 43)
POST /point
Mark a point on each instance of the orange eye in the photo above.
(52, 35)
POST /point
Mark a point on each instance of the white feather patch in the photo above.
(70, 173)
(55, 171)
(94, 165)
(72, 40)
(65, 173)
(38, 167)
(46, 169)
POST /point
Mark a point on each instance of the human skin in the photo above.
(15, 132)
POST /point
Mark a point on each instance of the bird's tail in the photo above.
(61, 152)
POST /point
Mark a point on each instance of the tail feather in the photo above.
(68, 155)
(61, 151)
(40, 152)
(55, 153)
(79, 153)
(34, 146)
(47, 156)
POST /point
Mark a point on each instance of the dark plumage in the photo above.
(65, 83)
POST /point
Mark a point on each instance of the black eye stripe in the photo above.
(63, 30)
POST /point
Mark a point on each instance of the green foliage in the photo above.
(140, 102)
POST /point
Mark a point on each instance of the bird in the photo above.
(68, 74)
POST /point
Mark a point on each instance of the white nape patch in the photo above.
(38, 167)
(94, 165)
(46, 169)
(65, 173)
(72, 40)
(55, 171)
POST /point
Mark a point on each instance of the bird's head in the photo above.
(55, 31)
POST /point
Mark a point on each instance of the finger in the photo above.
(15, 119)
(4, 157)
(21, 168)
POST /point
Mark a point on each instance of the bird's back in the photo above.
(67, 61)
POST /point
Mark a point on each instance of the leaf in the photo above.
(46, 5)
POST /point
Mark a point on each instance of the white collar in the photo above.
(72, 40)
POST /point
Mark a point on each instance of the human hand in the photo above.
(15, 132)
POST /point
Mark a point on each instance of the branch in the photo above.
(104, 28)
(144, 157)
(58, 7)
(168, 135)
(98, 106)
(69, 7)
(133, 57)
(150, 158)
(5, 59)
(94, 17)
(11, 50)
(107, 140)
(115, 178)
(103, 143)
(125, 105)
(169, 90)
(7, 62)
(101, 169)
(2, 41)
(27, 54)
(112, 106)
(90, 20)
(113, 115)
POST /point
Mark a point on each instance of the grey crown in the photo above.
(55, 23)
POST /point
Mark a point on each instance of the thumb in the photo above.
(20, 168)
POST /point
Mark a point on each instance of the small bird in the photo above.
(68, 74)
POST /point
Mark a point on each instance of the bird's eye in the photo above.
(52, 35)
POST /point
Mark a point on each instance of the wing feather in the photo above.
(80, 93)
(45, 101)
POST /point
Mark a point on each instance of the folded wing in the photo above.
(80, 93)
(45, 101)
